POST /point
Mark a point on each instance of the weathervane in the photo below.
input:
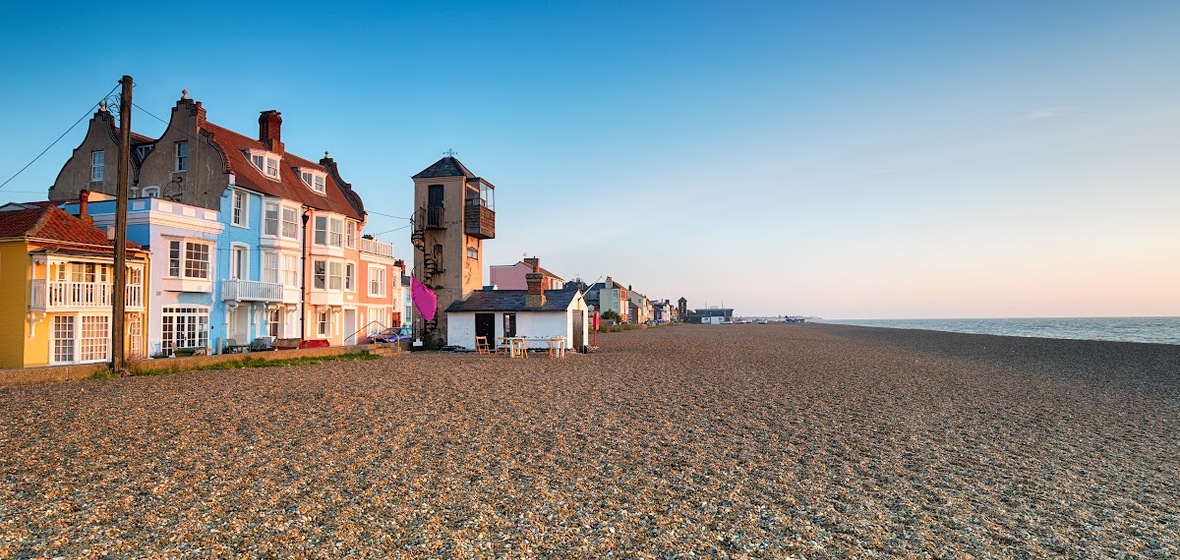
(451, 153)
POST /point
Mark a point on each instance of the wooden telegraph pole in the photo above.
(119, 328)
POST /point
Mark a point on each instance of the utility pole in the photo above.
(119, 328)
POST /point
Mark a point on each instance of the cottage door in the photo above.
(485, 325)
(579, 328)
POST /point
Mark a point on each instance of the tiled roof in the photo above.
(338, 198)
(511, 300)
(445, 167)
(540, 269)
(137, 138)
(55, 226)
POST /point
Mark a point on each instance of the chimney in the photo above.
(535, 299)
(270, 125)
(83, 202)
(533, 262)
(200, 115)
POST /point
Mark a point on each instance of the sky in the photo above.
(833, 159)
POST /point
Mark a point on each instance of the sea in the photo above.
(1159, 330)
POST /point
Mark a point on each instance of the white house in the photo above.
(533, 313)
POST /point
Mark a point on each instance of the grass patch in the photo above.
(303, 361)
(139, 369)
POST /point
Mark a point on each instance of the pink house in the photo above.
(511, 276)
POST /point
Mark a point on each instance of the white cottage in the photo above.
(532, 313)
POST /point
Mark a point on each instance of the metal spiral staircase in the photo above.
(430, 265)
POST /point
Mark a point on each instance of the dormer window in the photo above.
(314, 179)
(266, 162)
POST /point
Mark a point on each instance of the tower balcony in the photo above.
(479, 220)
(432, 216)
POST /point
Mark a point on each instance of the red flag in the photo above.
(423, 298)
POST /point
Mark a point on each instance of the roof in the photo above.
(445, 167)
(603, 286)
(540, 269)
(137, 138)
(54, 225)
(512, 300)
(339, 196)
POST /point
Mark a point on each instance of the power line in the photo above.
(167, 125)
(63, 135)
(386, 215)
(391, 231)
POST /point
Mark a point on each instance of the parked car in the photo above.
(392, 334)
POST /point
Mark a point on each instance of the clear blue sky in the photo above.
(840, 159)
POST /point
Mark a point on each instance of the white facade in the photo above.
(534, 324)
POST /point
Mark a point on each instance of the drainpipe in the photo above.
(303, 294)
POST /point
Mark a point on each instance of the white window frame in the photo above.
(267, 163)
(180, 253)
(320, 233)
(290, 228)
(349, 276)
(182, 156)
(270, 267)
(64, 346)
(240, 209)
(290, 272)
(335, 232)
(239, 261)
(97, 165)
(323, 321)
(184, 326)
(350, 235)
(314, 179)
(335, 276)
(319, 274)
(377, 281)
(94, 338)
(271, 212)
(274, 322)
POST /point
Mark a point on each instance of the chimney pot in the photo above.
(270, 124)
(83, 202)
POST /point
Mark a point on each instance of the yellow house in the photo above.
(57, 277)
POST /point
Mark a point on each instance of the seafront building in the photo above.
(454, 212)
(57, 276)
(248, 239)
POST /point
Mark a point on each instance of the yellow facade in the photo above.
(38, 291)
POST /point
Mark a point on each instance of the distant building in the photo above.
(610, 295)
(663, 312)
(710, 316)
(511, 276)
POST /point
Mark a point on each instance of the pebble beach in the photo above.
(688, 441)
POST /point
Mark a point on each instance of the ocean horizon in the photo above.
(1154, 330)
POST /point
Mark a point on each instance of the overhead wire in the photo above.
(63, 135)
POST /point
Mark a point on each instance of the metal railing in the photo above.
(376, 247)
(248, 290)
(365, 329)
(432, 216)
(53, 294)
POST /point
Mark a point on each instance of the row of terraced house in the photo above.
(231, 239)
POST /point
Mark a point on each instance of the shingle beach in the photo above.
(738, 441)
